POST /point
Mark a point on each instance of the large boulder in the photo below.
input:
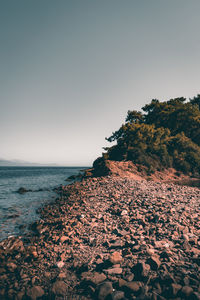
(101, 167)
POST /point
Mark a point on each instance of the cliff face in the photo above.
(102, 167)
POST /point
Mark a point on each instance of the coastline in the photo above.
(23, 190)
(138, 237)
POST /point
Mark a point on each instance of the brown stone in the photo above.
(104, 290)
(98, 278)
(17, 245)
(150, 251)
(19, 296)
(195, 251)
(62, 275)
(187, 290)
(11, 266)
(94, 278)
(34, 254)
(116, 244)
(35, 292)
(10, 293)
(114, 271)
(134, 286)
(175, 288)
(129, 277)
(154, 262)
(115, 258)
(59, 288)
(141, 270)
(122, 282)
(117, 295)
(64, 238)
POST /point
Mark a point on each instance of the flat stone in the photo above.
(116, 244)
(98, 278)
(134, 286)
(94, 278)
(113, 271)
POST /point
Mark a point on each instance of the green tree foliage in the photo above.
(167, 134)
(196, 100)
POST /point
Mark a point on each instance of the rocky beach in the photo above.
(110, 237)
(100, 150)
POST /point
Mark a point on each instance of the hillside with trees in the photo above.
(164, 135)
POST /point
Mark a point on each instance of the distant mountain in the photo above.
(19, 163)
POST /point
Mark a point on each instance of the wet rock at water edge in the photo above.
(23, 190)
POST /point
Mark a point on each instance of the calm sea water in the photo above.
(18, 211)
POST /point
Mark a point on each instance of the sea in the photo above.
(18, 211)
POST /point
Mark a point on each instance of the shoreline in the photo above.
(104, 233)
(23, 191)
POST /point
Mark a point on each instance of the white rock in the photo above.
(60, 264)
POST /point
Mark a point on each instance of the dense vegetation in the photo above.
(166, 134)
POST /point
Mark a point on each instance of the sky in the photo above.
(71, 69)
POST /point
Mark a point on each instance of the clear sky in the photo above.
(70, 70)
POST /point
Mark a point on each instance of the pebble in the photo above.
(114, 271)
(35, 292)
(60, 264)
(115, 258)
(11, 267)
(141, 238)
(59, 288)
(104, 290)
(187, 290)
(117, 295)
(154, 262)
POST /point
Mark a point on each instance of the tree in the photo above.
(166, 134)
